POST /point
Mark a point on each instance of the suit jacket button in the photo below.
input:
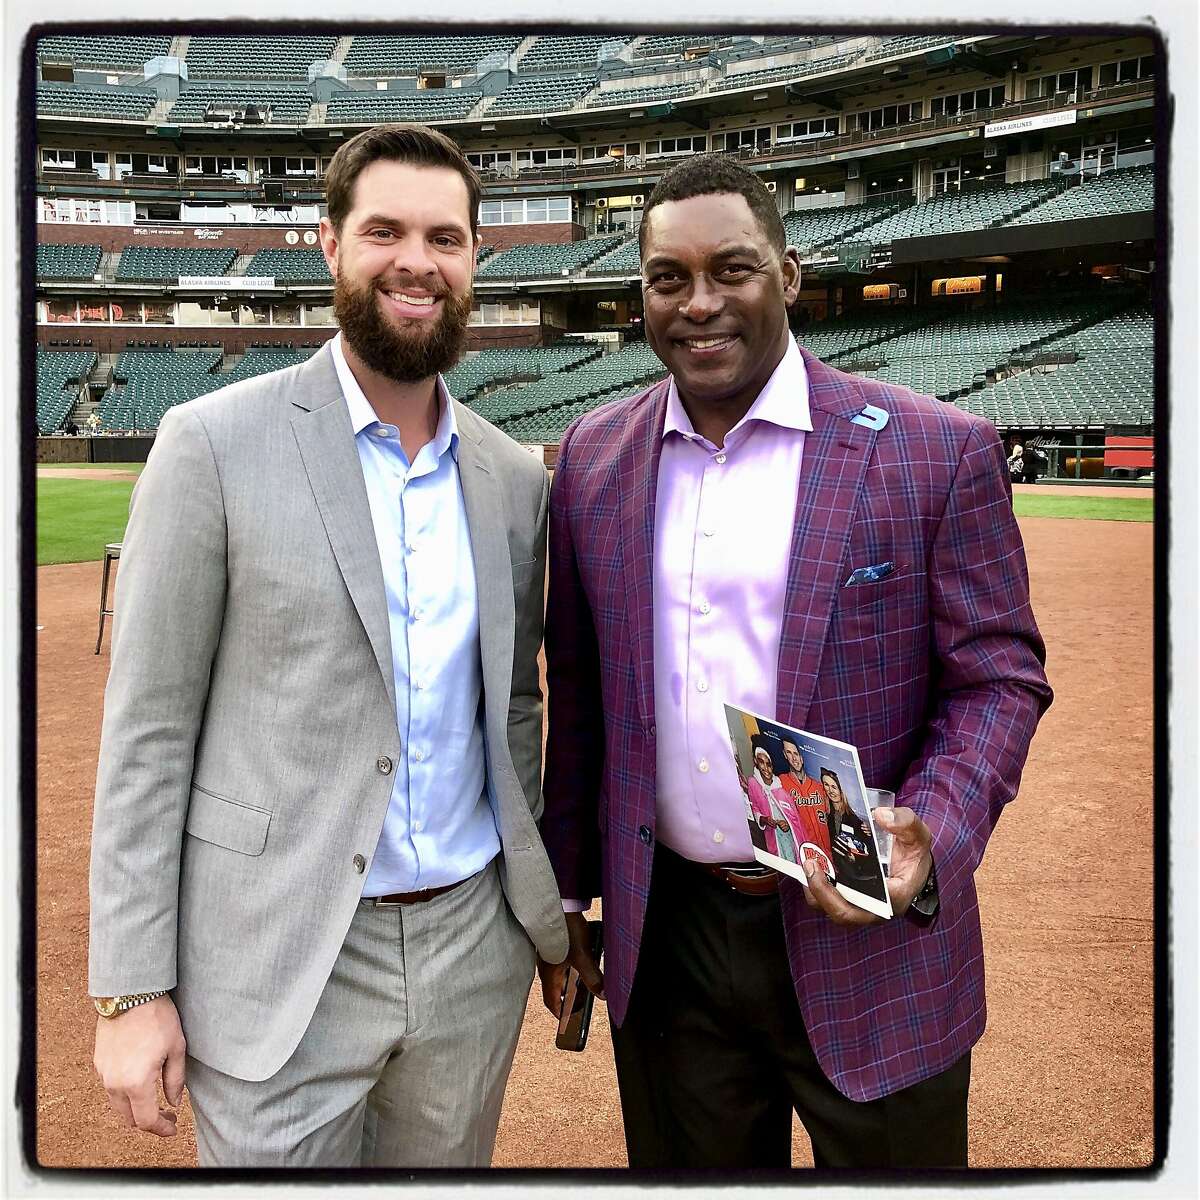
(384, 764)
(645, 834)
(360, 863)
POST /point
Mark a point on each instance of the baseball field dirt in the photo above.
(1069, 954)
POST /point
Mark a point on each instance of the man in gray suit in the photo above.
(315, 853)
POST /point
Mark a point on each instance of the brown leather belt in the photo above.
(749, 880)
(409, 897)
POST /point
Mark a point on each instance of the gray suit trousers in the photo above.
(408, 1053)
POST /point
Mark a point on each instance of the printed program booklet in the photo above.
(806, 799)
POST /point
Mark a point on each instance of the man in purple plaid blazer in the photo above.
(836, 554)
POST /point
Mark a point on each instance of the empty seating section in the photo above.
(542, 94)
(744, 79)
(626, 259)
(539, 260)
(443, 104)
(139, 264)
(111, 103)
(1112, 387)
(550, 424)
(258, 360)
(565, 53)
(388, 57)
(646, 95)
(891, 47)
(816, 227)
(290, 266)
(1130, 329)
(60, 377)
(148, 382)
(119, 53)
(267, 57)
(955, 211)
(67, 261)
(486, 369)
(289, 104)
(673, 45)
(620, 373)
(854, 331)
(1130, 189)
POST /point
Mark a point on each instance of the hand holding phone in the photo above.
(576, 1003)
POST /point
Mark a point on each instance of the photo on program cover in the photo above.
(806, 800)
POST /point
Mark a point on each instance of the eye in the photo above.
(735, 270)
(381, 233)
(663, 280)
(446, 241)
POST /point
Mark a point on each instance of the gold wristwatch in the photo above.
(113, 1006)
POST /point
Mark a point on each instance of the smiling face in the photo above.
(762, 760)
(715, 295)
(402, 262)
(795, 760)
(833, 790)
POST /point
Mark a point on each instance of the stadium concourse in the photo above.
(975, 214)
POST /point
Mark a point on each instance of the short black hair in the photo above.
(714, 174)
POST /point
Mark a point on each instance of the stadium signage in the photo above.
(1025, 124)
(227, 283)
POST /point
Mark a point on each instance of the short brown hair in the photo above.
(404, 142)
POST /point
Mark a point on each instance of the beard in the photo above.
(409, 355)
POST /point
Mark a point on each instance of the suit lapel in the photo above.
(326, 440)
(489, 550)
(836, 453)
(637, 474)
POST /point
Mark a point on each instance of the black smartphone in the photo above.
(575, 1013)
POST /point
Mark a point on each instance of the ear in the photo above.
(789, 264)
(329, 244)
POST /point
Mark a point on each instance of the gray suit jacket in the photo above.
(250, 706)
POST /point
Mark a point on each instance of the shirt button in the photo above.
(360, 863)
(702, 766)
(419, 755)
(718, 837)
(705, 608)
(381, 431)
(418, 685)
(645, 834)
(709, 532)
(416, 614)
(720, 458)
(702, 686)
(417, 827)
(383, 764)
(411, 548)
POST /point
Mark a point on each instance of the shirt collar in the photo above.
(783, 400)
(362, 414)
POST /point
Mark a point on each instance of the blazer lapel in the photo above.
(493, 566)
(836, 453)
(637, 475)
(326, 440)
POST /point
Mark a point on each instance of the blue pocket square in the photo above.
(870, 574)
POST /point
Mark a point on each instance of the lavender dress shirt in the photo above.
(722, 535)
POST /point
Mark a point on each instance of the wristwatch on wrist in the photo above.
(113, 1006)
(925, 902)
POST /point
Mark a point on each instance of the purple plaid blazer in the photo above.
(935, 673)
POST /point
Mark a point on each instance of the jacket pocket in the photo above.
(859, 595)
(228, 823)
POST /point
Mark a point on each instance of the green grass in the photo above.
(85, 466)
(1088, 508)
(76, 517)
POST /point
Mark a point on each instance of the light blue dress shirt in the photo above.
(439, 827)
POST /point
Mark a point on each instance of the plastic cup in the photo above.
(882, 798)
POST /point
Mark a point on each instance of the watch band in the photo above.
(925, 902)
(112, 1006)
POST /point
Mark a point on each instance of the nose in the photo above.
(703, 301)
(411, 256)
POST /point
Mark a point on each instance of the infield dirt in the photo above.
(1069, 953)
